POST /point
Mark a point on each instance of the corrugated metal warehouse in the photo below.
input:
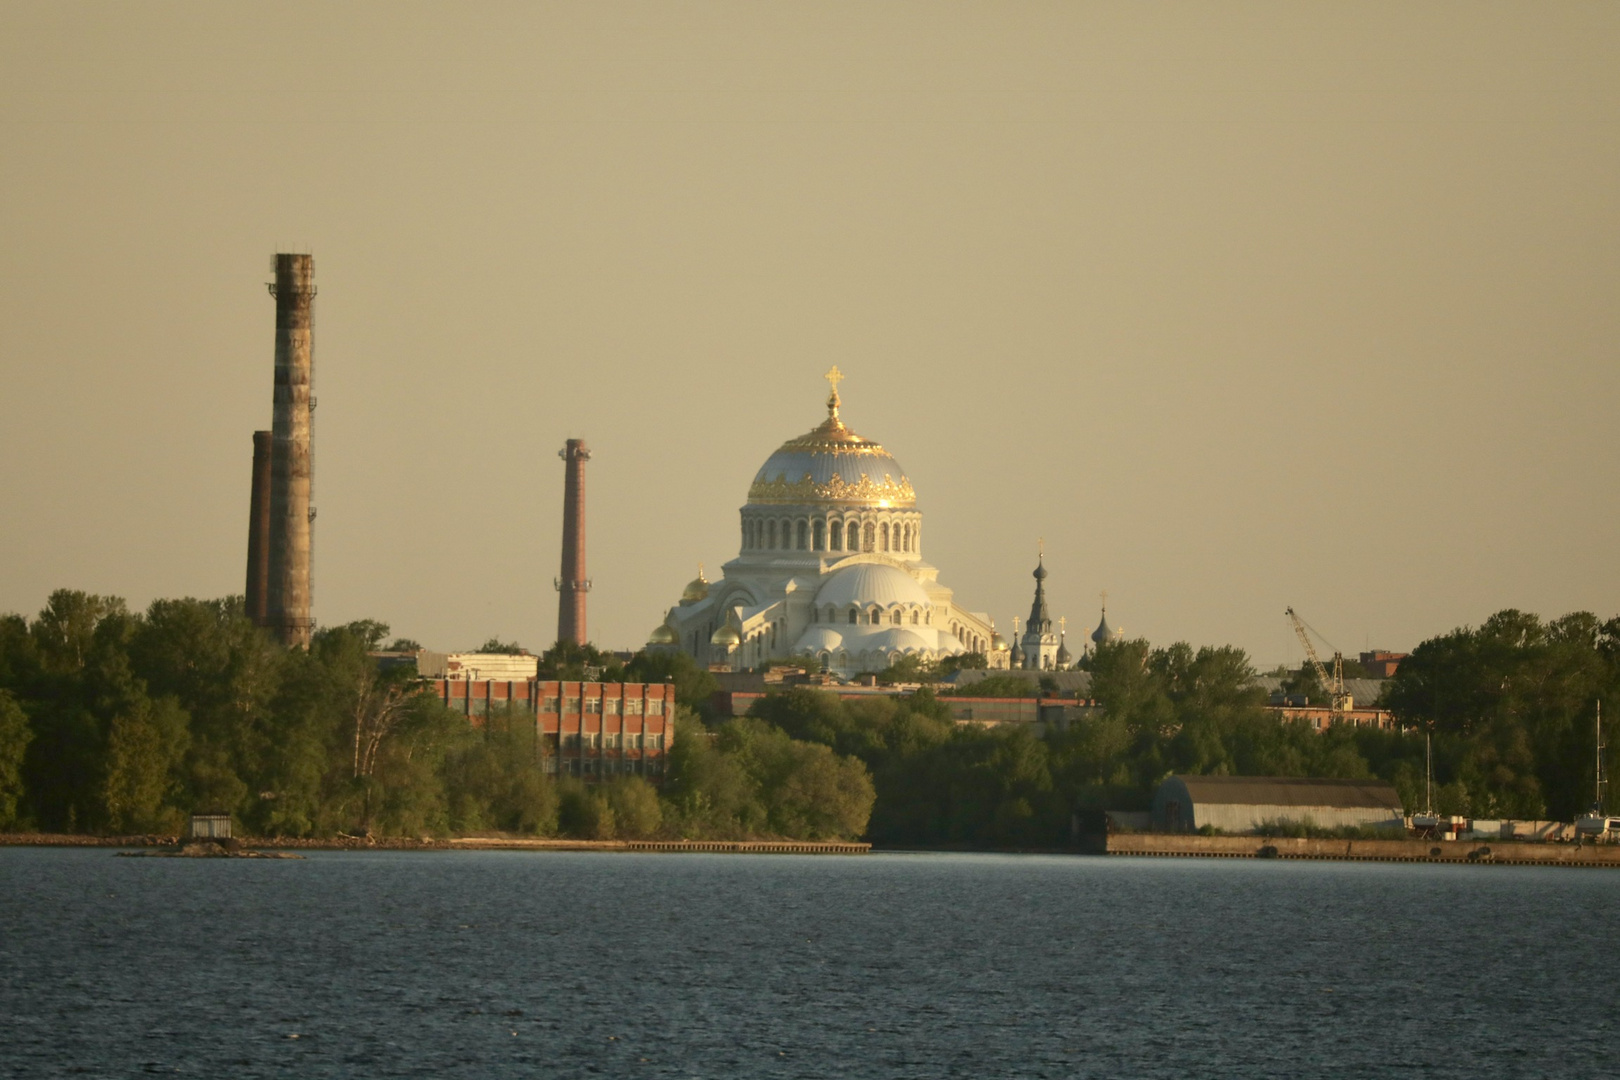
(1242, 804)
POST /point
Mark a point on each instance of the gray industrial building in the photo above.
(1242, 804)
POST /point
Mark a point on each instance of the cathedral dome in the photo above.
(1104, 632)
(900, 639)
(664, 636)
(832, 464)
(865, 584)
(696, 589)
(819, 639)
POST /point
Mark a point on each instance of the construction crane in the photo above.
(1338, 697)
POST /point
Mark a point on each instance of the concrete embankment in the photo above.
(1505, 853)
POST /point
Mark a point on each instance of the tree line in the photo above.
(121, 722)
(115, 722)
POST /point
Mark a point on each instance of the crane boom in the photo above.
(1340, 699)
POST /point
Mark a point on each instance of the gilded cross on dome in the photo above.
(833, 377)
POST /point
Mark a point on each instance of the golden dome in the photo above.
(726, 637)
(832, 464)
(664, 635)
(696, 589)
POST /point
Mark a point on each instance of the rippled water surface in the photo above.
(488, 964)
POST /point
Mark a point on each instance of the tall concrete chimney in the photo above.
(573, 584)
(258, 555)
(292, 457)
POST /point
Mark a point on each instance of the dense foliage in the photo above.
(119, 722)
(115, 722)
(1510, 706)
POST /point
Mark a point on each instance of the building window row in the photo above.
(831, 534)
(608, 706)
(855, 615)
(972, 641)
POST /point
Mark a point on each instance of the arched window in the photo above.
(916, 616)
(835, 536)
(875, 617)
(770, 534)
(883, 537)
(895, 618)
(815, 536)
(803, 535)
(905, 543)
(871, 537)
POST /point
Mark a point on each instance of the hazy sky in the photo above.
(1240, 306)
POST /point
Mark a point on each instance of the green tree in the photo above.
(637, 812)
(1004, 685)
(65, 631)
(568, 660)
(15, 735)
(146, 742)
(585, 812)
(694, 685)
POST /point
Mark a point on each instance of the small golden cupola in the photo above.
(697, 589)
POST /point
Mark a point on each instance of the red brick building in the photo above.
(1380, 664)
(594, 731)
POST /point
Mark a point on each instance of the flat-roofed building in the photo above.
(476, 665)
(591, 730)
(1242, 804)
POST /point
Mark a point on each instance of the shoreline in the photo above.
(460, 843)
(1141, 845)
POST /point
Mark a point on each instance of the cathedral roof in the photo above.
(872, 583)
(1104, 632)
(696, 589)
(832, 464)
(1040, 620)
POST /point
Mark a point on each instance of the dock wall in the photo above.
(1507, 853)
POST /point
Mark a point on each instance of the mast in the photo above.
(1602, 780)
(1428, 773)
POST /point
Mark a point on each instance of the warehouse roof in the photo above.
(1365, 692)
(1291, 791)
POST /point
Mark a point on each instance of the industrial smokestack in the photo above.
(573, 585)
(292, 457)
(258, 554)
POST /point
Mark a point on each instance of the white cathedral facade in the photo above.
(830, 568)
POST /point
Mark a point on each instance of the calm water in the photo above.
(518, 964)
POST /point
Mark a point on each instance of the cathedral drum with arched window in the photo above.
(830, 566)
